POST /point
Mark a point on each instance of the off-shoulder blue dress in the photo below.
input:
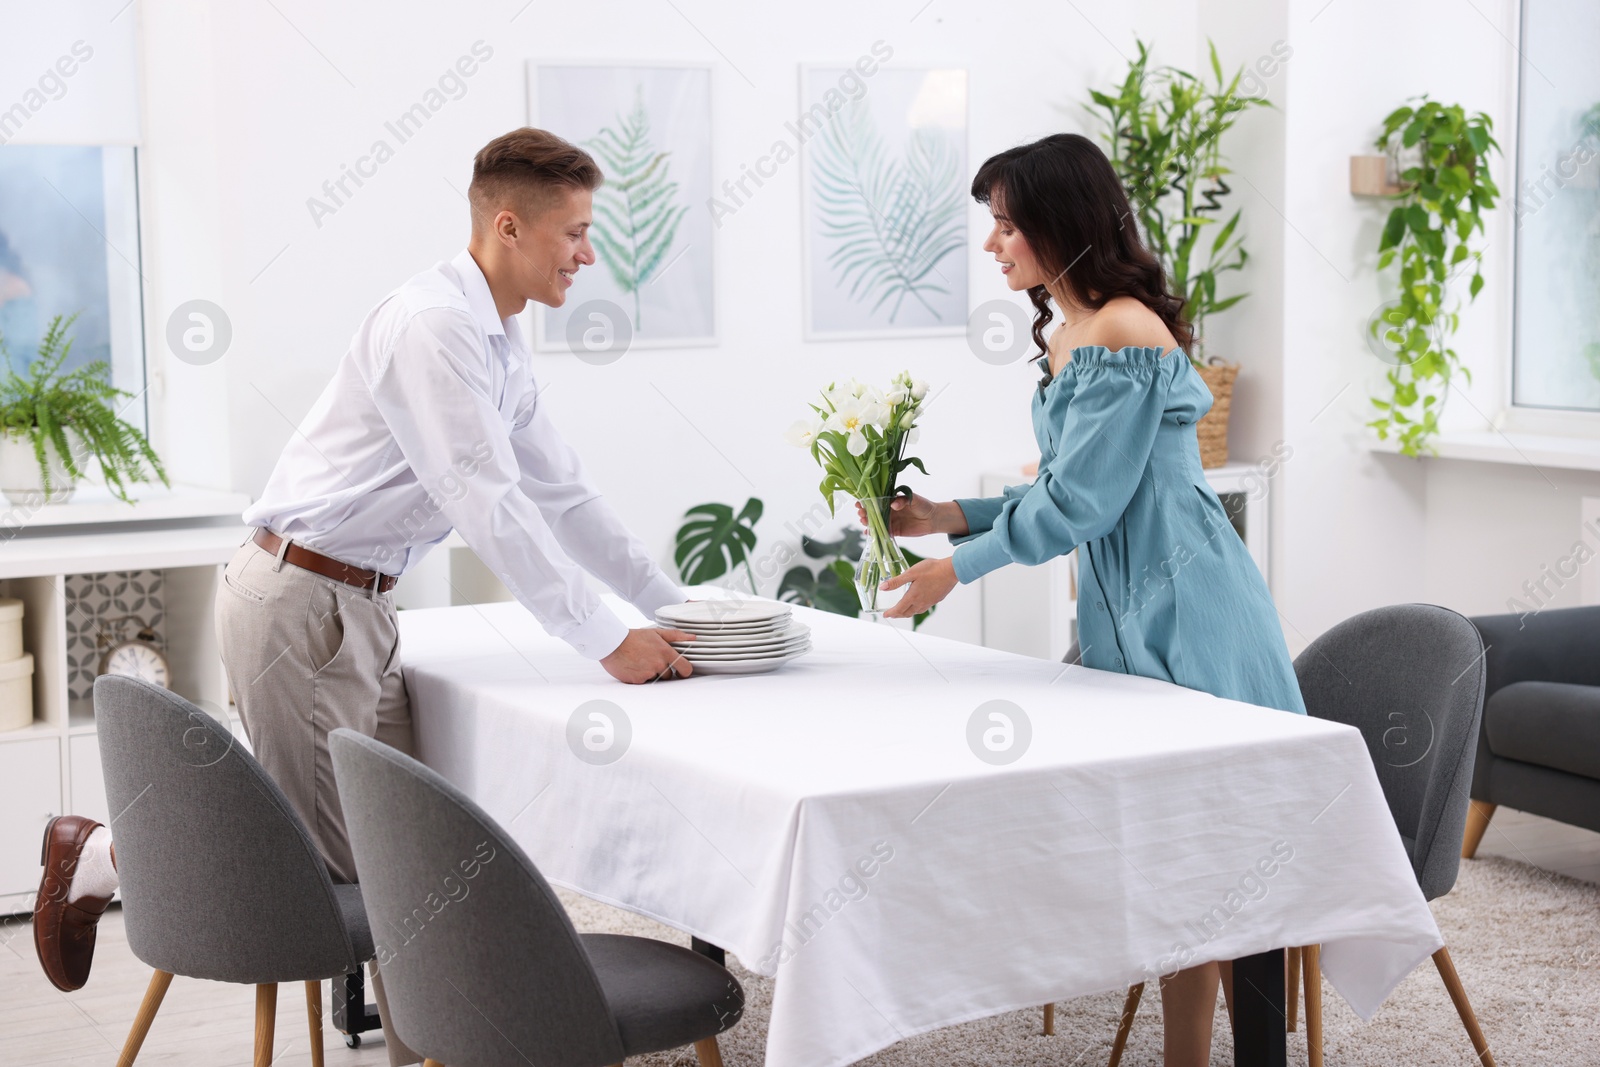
(1165, 587)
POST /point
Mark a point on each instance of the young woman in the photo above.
(1166, 588)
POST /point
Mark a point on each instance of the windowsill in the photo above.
(93, 505)
(1490, 446)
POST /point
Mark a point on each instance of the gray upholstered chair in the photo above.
(1411, 679)
(1539, 748)
(220, 879)
(481, 965)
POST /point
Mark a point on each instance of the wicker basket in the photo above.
(1213, 428)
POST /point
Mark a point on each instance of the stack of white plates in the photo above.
(736, 636)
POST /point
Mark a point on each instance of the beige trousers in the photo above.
(306, 655)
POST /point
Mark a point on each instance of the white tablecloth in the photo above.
(830, 823)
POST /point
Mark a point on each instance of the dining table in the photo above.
(909, 832)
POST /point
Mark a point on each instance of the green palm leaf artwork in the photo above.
(636, 210)
(892, 220)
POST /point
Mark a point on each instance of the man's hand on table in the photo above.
(645, 656)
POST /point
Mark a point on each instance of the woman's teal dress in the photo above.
(1165, 587)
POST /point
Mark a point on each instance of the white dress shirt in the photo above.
(433, 421)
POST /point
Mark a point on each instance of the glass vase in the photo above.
(881, 559)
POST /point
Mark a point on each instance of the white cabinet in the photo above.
(30, 793)
(53, 765)
(1033, 611)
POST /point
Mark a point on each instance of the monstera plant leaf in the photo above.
(890, 221)
(636, 210)
(848, 546)
(713, 540)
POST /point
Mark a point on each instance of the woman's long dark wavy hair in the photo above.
(1062, 195)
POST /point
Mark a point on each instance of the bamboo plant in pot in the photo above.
(54, 421)
(1163, 129)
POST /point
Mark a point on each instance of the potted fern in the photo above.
(53, 421)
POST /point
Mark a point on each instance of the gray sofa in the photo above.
(1539, 745)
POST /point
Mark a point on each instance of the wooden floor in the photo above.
(208, 1024)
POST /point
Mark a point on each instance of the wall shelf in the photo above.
(94, 505)
(1492, 446)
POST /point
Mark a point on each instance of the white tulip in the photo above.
(897, 396)
(851, 417)
(856, 442)
(802, 433)
(919, 389)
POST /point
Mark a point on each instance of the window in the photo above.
(69, 245)
(1556, 358)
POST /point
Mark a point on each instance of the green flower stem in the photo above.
(882, 557)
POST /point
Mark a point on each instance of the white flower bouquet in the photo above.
(859, 436)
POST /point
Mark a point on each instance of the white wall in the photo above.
(249, 108)
(277, 108)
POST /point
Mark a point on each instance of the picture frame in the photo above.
(649, 121)
(875, 150)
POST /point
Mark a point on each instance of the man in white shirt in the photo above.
(432, 422)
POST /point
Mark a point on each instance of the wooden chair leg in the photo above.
(436, 1063)
(1049, 1020)
(1311, 961)
(1291, 986)
(1458, 996)
(153, 994)
(266, 1019)
(314, 1017)
(1130, 1008)
(707, 1052)
(1478, 816)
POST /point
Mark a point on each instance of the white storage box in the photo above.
(10, 629)
(16, 693)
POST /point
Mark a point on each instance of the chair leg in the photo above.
(1311, 961)
(707, 1052)
(1478, 816)
(314, 1017)
(1130, 1008)
(436, 1063)
(1049, 1020)
(266, 1019)
(1458, 996)
(151, 1004)
(1291, 987)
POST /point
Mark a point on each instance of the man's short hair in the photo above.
(524, 170)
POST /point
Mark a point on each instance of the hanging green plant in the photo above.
(1429, 232)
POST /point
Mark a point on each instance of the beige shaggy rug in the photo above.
(1527, 944)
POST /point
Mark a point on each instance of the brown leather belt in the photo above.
(317, 563)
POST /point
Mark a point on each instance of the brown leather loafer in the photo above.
(63, 933)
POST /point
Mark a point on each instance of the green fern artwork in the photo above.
(636, 210)
(891, 219)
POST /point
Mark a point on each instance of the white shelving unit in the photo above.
(1033, 611)
(53, 766)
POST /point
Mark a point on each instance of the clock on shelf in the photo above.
(135, 658)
